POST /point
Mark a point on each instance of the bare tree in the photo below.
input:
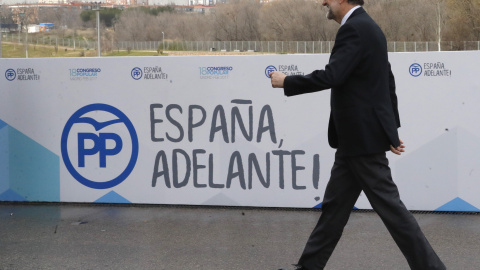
(441, 21)
(464, 22)
(296, 20)
(6, 15)
(237, 20)
(303, 20)
(134, 25)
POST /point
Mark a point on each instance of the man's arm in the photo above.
(345, 58)
(393, 95)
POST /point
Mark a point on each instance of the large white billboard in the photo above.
(211, 131)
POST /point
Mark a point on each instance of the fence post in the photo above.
(313, 47)
(427, 46)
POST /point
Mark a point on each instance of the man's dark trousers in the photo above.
(370, 173)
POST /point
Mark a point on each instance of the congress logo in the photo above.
(10, 74)
(137, 73)
(269, 70)
(416, 70)
(99, 146)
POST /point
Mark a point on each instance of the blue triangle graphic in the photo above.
(318, 206)
(112, 197)
(2, 124)
(11, 196)
(458, 204)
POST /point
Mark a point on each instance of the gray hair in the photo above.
(356, 2)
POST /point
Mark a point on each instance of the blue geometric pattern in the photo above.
(2, 124)
(11, 196)
(318, 206)
(28, 171)
(4, 158)
(443, 169)
(112, 197)
(458, 204)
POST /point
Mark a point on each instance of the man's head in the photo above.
(338, 8)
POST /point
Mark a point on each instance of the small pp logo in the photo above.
(416, 70)
(269, 70)
(99, 146)
(10, 74)
(137, 73)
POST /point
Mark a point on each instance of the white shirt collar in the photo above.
(345, 18)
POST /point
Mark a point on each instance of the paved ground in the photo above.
(182, 238)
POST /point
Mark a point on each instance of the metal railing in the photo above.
(276, 47)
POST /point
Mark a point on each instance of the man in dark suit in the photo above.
(363, 126)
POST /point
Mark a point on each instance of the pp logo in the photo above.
(269, 70)
(10, 74)
(99, 146)
(416, 70)
(137, 73)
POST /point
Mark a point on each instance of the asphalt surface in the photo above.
(182, 238)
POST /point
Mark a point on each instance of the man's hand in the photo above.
(398, 150)
(277, 79)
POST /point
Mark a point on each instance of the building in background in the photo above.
(53, 1)
(121, 2)
(25, 12)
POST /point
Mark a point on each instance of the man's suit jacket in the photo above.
(364, 114)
